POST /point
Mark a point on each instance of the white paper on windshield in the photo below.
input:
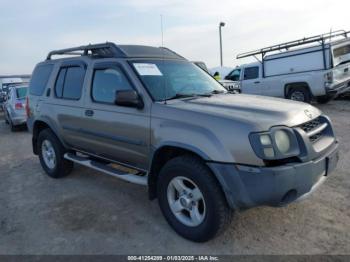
(146, 69)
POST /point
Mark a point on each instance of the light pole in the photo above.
(221, 25)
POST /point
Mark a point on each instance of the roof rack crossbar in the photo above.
(306, 40)
(104, 50)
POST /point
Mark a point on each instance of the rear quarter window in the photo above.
(39, 79)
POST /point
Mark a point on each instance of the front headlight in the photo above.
(278, 143)
(282, 141)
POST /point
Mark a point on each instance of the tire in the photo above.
(6, 119)
(301, 94)
(58, 168)
(13, 128)
(323, 99)
(212, 208)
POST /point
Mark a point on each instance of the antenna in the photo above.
(164, 80)
(161, 28)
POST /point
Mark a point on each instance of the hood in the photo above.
(264, 112)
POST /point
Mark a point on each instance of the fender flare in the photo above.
(302, 84)
(50, 125)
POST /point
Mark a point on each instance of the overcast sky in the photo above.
(30, 29)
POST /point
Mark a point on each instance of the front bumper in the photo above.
(338, 89)
(247, 187)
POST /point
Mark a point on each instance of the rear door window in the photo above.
(69, 82)
(251, 73)
(39, 79)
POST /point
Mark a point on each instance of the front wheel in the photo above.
(51, 155)
(191, 199)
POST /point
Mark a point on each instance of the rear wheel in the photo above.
(301, 94)
(323, 99)
(192, 200)
(51, 155)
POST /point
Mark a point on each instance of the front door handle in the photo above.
(89, 112)
(257, 82)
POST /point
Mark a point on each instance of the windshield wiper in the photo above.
(215, 92)
(181, 95)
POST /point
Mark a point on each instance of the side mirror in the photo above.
(128, 98)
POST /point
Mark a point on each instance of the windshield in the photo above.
(167, 79)
(341, 55)
(234, 75)
(21, 92)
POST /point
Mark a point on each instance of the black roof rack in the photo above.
(105, 50)
(109, 50)
(306, 40)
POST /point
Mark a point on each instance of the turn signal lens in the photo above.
(269, 152)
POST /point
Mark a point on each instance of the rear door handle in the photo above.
(89, 112)
(257, 82)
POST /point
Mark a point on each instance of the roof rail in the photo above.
(106, 50)
(306, 40)
(171, 51)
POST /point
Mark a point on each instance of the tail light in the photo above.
(18, 106)
(328, 77)
(27, 107)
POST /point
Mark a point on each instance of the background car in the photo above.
(14, 106)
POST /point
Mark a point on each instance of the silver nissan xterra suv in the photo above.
(149, 116)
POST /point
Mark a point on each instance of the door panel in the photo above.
(66, 102)
(251, 83)
(115, 132)
(272, 86)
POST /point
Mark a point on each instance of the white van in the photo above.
(315, 67)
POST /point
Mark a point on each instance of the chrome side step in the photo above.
(85, 161)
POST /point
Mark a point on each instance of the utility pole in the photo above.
(222, 24)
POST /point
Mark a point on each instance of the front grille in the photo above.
(310, 128)
(315, 138)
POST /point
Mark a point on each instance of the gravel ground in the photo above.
(90, 213)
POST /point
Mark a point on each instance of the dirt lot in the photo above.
(90, 213)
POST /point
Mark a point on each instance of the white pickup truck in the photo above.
(315, 67)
